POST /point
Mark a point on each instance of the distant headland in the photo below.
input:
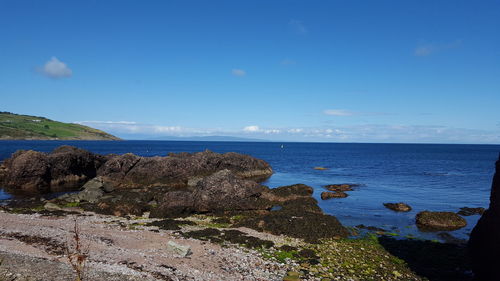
(25, 127)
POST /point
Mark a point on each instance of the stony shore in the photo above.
(200, 216)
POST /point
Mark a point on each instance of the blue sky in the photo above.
(344, 71)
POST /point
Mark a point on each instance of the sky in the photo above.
(328, 71)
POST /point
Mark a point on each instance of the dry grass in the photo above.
(77, 256)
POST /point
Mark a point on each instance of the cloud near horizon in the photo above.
(369, 133)
(238, 72)
(54, 68)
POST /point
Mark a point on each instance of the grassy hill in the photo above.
(24, 127)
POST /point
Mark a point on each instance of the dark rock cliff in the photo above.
(484, 242)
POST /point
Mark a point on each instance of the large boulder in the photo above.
(225, 191)
(437, 221)
(27, 171)
(219, 192)
(484, 242)
(71, 167)
(64, 168)
(178, 169)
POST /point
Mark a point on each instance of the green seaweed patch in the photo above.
(71, 205)
(230, 235)
(170, 224)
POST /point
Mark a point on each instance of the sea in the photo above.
(434, 177)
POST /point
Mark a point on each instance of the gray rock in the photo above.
(51, 207)
(93, 184)
(178, 249)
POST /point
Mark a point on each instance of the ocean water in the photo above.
(433, 177)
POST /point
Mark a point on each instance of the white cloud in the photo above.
(252, 128)
(397, 133)
(55, 68)
(426, 49)
(238, 72)
(338, 112)
(272, 131)
(295, 130)
(298, 26)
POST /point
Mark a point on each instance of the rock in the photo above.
(178, 249)
(224, 191)
(51, 207)
(289, 192)
(67, 168)
(435, 221)
(310, 226)
(398, 207)
(27, 171)
(174, 204)
(328, 195)
(71, 167)
(484, 242)
(341, 187)
(221, 191)
(466, 211)
(91, 192)
(179, 170)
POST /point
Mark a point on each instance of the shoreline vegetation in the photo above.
(196, 216)
(25, 127)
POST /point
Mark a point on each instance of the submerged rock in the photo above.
(299, 216)
(341, 187)
(328, 195)
(484, 242)
(466, 211)
(398, 207)
(436, 221)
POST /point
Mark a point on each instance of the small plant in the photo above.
(75, 253)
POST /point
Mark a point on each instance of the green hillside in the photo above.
(23, 127)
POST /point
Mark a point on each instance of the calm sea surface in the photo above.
(426, 176)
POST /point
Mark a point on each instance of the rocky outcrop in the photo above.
(438, 221)
(131, 171)
(484, 242)
(65, 167)
(298, 216)
(27, 170)
(398, 207)
(341, 187)
(328, 195)
(466, 211)
(219, 192)
(68, 168)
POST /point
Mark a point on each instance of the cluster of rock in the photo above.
(68, 167)
(172, 186)
(337, 190)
